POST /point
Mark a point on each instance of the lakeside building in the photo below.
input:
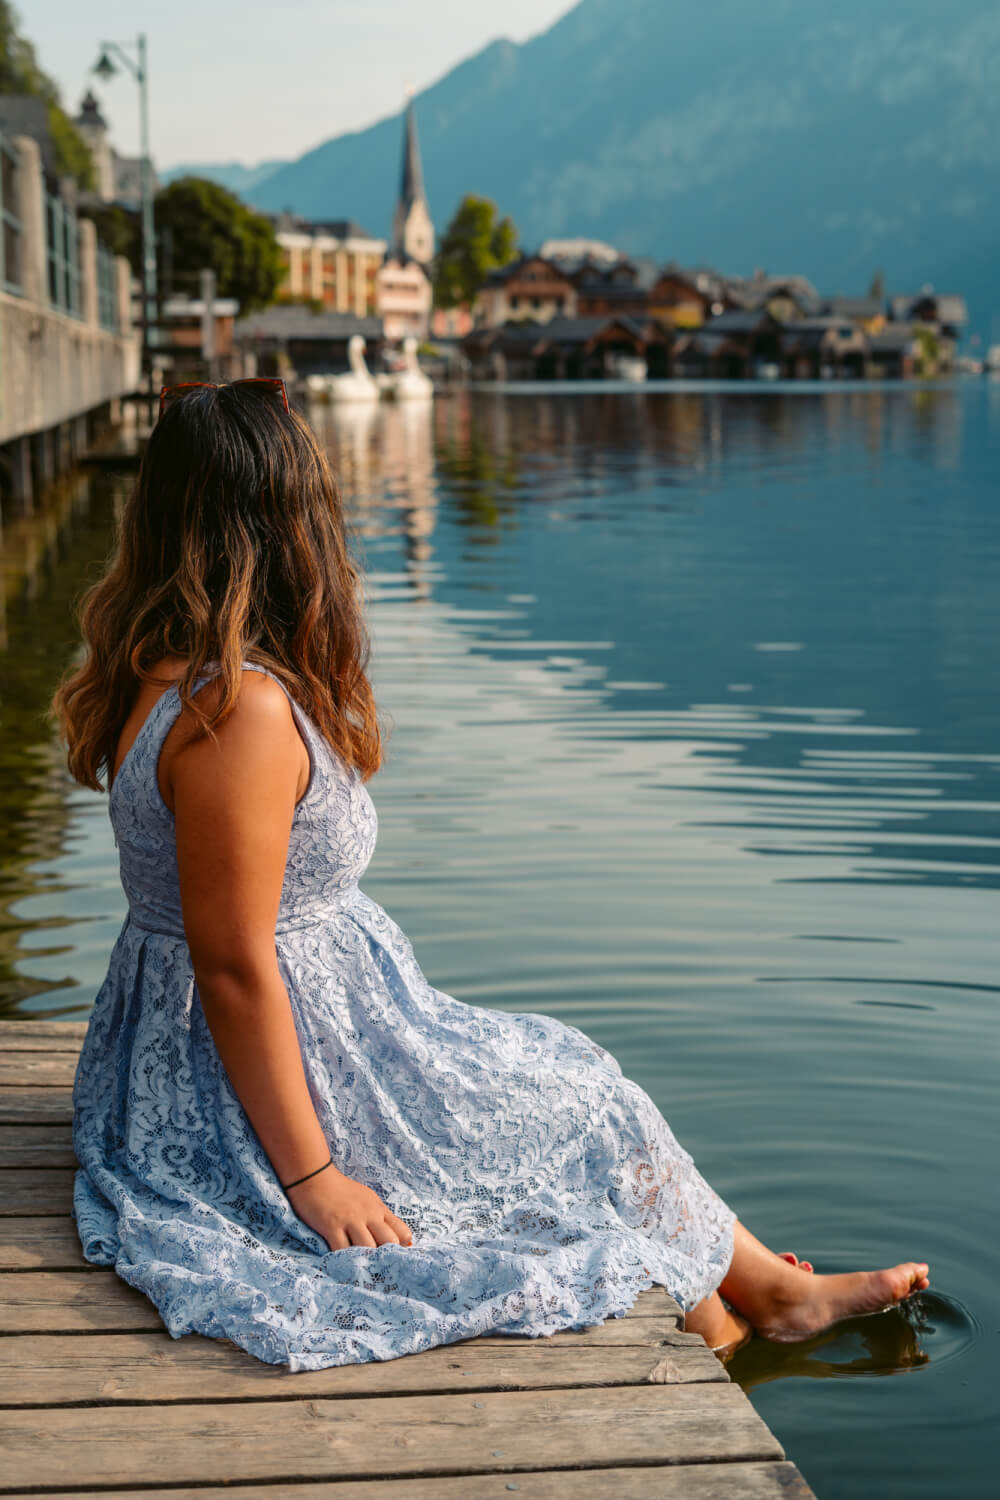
(293, 341)
(697, 322)
(333, 264)
(68, 351)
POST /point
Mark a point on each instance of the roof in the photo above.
(338, 229)
(90, 111)
(503, 274)
(854, 307)
(582, 330)
(194, 307)
(293, 321)
(758, 290)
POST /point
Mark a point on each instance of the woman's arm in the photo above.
(233, 800)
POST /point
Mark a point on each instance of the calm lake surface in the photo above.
(696, 744)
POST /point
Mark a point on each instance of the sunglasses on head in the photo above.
(269, 384)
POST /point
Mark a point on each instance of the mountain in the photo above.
(229, 174)
(832, 141)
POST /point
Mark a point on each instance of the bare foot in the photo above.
(784, 1305)
(723, 1330)
(793, 1260)
(800, 1309)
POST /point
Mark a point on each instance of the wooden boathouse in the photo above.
(97, 1399)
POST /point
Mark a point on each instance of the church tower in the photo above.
(412, 229)
(93, 127)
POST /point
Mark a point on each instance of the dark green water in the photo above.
(697, 745)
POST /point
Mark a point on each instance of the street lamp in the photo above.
(106, 67)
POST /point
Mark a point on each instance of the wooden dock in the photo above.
(97, 1399)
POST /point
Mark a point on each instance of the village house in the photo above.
(867, 313)
(529, 287)
(293, 341)
(685, 299)
(814, 348)
(576, 348)
(182, 338)
(734, 345)
(332, 264)
(620, 288)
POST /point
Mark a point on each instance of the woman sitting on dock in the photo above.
(287, 1137)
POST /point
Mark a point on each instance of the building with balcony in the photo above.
(332, 264)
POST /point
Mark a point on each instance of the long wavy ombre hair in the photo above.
(231, 549)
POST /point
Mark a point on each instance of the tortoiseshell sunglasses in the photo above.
(171, 392)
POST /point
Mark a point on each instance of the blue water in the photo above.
(695, 743)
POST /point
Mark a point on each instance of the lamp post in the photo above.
(106, 67)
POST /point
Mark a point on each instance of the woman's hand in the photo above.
(346, 1212)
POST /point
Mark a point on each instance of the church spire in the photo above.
(412, 230)
(411, 186)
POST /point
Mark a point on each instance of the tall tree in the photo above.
(211, 228)
(20, 74)
(475, 243)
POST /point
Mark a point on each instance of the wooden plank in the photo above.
(72, 1302)
(45, 1190)
(38, 1106)
(381, 1438)
(40, 1244)
(36, 1146)
(41, 1069)
(143, 1367)
(731, 1481)
(97, 1300)
(42, 1036)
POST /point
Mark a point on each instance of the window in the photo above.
(62, 247)
(11, 269)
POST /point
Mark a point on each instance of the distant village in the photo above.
(580, 309)
(574, 309)
(351, 307)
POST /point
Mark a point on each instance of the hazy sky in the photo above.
(245, 80)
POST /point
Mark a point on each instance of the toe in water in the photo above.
(928, 1327)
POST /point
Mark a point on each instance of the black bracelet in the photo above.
(286, 1185)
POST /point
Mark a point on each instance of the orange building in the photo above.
(334, 264)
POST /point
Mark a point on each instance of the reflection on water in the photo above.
(924, 1328)
(694, 744)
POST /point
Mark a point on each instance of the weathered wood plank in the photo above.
(146, 1367)
(42, 1036)
(36, 1146)
(98, 1301)
(382, 1438)
(44, 1069)
(71, 1302)
(44, 1243)
(38, 1106)
(45, 1190)
(731, 1481)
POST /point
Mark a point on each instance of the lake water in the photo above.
(696, 744)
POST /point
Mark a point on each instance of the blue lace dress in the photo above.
(544, 1190)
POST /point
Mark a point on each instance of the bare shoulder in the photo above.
(260, 734)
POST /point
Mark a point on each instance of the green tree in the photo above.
(475, 243)
(20, 74)
(118, 228)
(212, 229)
